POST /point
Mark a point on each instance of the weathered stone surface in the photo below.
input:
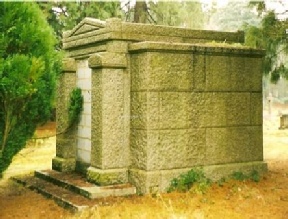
(107, 177)
(151, 75)
(117, 46)
(87, 25)
(167, 149)
(63, 165)
(108, 60)
(159, 180)
(226, 73)
(81, 34)
(66, 146)
(256, 109)
(224, 109)
(139, 110)
(160, 110)
(65, 85)
(256, 143)
(234, 72)
(216, 172)
(66, 140)
(254, 69)
(163, 46)
(68, 65)
(199, 71)
(109, 129)
(146, 181)
(205, 68)
(86, 52)
(163, 100)
(233, 145)
(174, 110)
(96, 107)
(205, 48)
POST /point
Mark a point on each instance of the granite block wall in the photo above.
(195, 106)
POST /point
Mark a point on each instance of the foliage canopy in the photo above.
(263, 30)
(28, 67)
(271, 36)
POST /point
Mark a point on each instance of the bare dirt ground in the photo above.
(265, 199)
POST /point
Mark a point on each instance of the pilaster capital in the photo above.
(68, 65)
(108, 60)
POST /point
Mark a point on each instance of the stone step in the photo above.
(63, 197)
(71, 190)
(77, 183)
(69, 181)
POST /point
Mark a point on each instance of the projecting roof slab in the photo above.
(93, 31)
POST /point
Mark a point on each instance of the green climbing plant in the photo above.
(75, 107)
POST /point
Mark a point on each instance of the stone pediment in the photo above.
(87, 25)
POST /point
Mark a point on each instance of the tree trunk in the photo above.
(140, 14)
(7, 125)
(5, 134)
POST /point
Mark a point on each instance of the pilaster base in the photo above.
(81, 167)
(63, 164)
(107, 177)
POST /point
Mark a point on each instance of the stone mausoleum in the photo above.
(159, 101)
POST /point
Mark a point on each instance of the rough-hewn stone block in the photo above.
(65, 85)
(216, 172)
(160, 110)
(226, 73)
(233, 145)
(138, 65)
(226, 109)
(254, 72)
(117, 46)
(65, 146)
(108, 122)
(199, 71)
(63, 165)
(138, 148)
(96, 131)
(108, 60)
(139, 110)
(167, 149)
(234, 72)
(145, 181)
(152, 75)
(256, 109)
(107, 177)
(68, 65)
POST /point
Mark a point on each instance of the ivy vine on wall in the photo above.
(75, 107)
